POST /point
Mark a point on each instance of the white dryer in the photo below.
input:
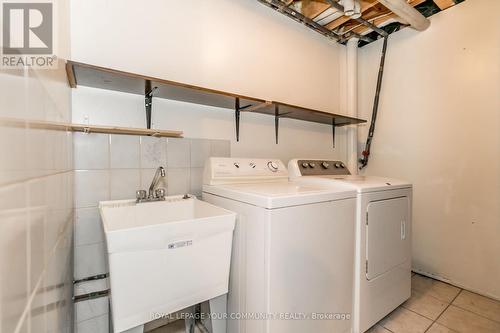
(383, 236)
(292, 260)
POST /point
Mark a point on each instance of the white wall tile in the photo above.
(90, 309)
(196, 181)
(178, 153)
(124, 151)
(91, 186)
(200, 151)
(90, 260)
(39, 256)
(91, 286)
(124, 183)
(153, 152)
(14, 260)
(178, 181)
(94, 325)
(88, 226)
(91, 151)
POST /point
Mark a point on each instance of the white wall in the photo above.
(238, 46)
(439, 127)
(36, 197)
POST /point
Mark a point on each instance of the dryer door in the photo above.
(387, 235)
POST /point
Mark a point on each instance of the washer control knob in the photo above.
(305, 165)
(237, 165)
(337, 165)
(272, 166)
(325, 165)
(342, 165)
(312, 165)
(252, 165)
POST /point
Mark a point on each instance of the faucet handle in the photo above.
(160, 193)
(141, 194)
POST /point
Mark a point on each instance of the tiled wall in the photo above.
(36, 203)
(111, 167)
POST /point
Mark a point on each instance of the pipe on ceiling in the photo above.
(402, 9)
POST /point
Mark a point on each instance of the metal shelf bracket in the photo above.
(276, 121)
(333, 132)
(148, 102)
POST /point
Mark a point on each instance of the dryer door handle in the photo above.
(403, 229)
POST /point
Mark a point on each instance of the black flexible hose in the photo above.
(366, 153)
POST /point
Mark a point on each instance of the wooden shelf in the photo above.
(106, 78)
(58, 126)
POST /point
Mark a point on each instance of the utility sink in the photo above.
(164, 256)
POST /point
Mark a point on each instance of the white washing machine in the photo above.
(293, 257)
(383, 237)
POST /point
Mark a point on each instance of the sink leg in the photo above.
(190, 320)
(218, 309)
(137, 329)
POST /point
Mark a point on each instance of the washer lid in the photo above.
(361, 184)
(280, 194)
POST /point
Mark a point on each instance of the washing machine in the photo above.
(383, 236)
(292, 260)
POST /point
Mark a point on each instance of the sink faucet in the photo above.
(153, 194)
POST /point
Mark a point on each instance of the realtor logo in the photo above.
(27, 34)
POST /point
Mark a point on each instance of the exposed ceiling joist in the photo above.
(444, 4)
(370, 20)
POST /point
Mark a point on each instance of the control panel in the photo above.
(221, 170)
(321, 167)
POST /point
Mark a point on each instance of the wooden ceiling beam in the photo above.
(444, 4)
(312, 8)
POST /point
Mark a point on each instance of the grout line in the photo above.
(477, 314)
(435, 321)
(28, 179)
(437, 299)
(421, 315)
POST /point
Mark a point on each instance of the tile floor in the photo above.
(434, 307)
(438, 307)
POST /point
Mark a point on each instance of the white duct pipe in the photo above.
(357, 10)
(348, 7)
(402, 9)
(352, 103)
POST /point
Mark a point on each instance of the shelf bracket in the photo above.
(333, 132)
(237, 117)
(148, 102)
(237, 112)
(276, 121)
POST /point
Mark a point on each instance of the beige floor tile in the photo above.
(481, 305)
(402, 320)
(440, 290)
(438, 328)
(425, 305)
(377, 329)
(464, 321)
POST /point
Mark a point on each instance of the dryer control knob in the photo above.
(337, 165)
(305, 165)
(312, 165)
(272, 166)
(342, 165)
(325, 165)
